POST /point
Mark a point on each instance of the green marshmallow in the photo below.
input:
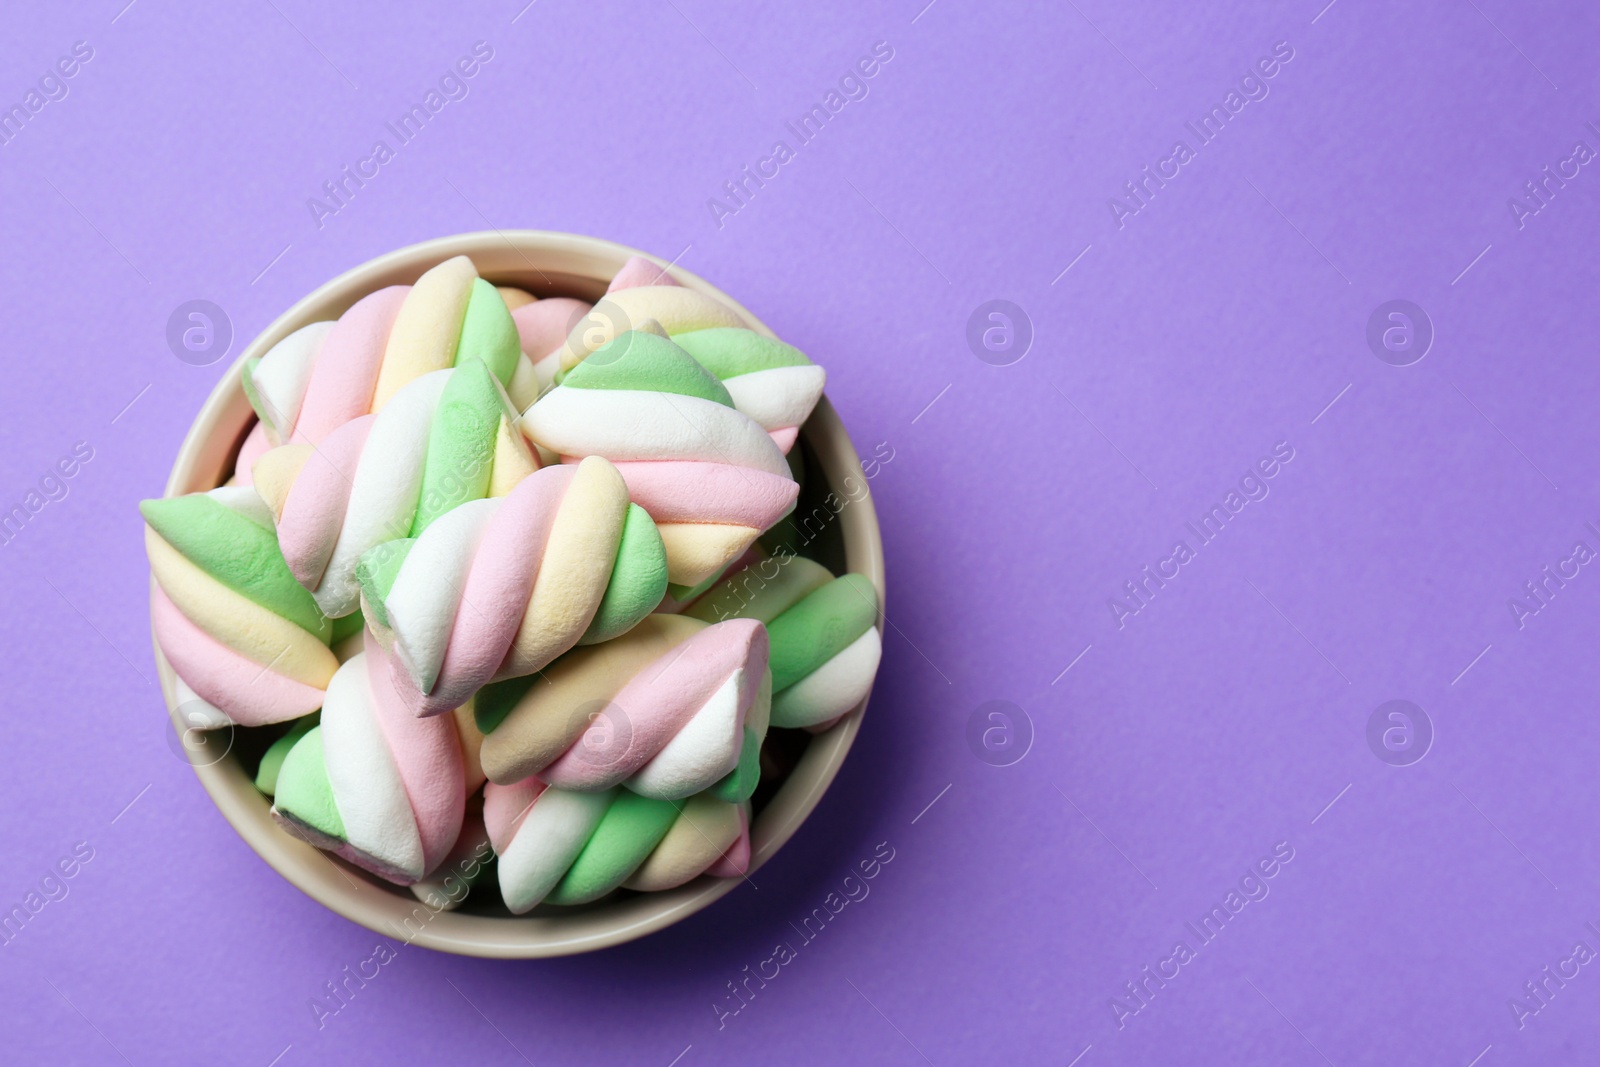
(489, 333)
(628, 832)
(739, 784)
(460, 443)
(729, 351)
(820, 627)
(377, 570)
(648, 363)
(638, 580)
(237, 551)
(272, 762)
(303, 790)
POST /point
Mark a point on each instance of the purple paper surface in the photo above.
(1174, 319)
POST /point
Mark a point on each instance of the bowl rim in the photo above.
(524, 258)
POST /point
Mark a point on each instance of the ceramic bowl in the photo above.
(546, 264)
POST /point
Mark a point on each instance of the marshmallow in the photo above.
(327, 373)
(772, 382)
(499, 588)
(672, 708)
(371, 782)
(241, 634)
(709, 475)
(443, 440)
(560, 847)
(825, 644)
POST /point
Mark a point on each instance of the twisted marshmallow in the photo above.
(498, 588)
(672, 708)
(825, 642)
(445, 439)
(774, 383)
(327, 373)
(709, 476)
(372, 783)
(560, 847)
(243, 637)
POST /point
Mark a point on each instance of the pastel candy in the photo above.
(825, 641)
(708, 474)
(772, 382)
(677, 309)
(542, 328)
(672, 708)
(373, 783)
(241, 634)
(328, 373)
(443, 440)
(561, 847)
(499, 587)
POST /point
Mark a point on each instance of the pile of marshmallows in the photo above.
(494, 561)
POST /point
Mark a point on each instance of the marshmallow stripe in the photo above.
(321, 477)
(346, 370)
(638, 425)
(576, 565)
(778, 399)
(696, 491)
(567, 848)
(462, 440)
(276, 383)
(432, 766)
(195, 711)
(426, 329)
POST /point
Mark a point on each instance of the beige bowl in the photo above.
(548, 264)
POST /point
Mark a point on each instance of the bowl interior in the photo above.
(834, 523)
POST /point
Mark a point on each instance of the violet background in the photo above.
(1222, 318)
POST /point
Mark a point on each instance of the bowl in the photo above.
(546, 264)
